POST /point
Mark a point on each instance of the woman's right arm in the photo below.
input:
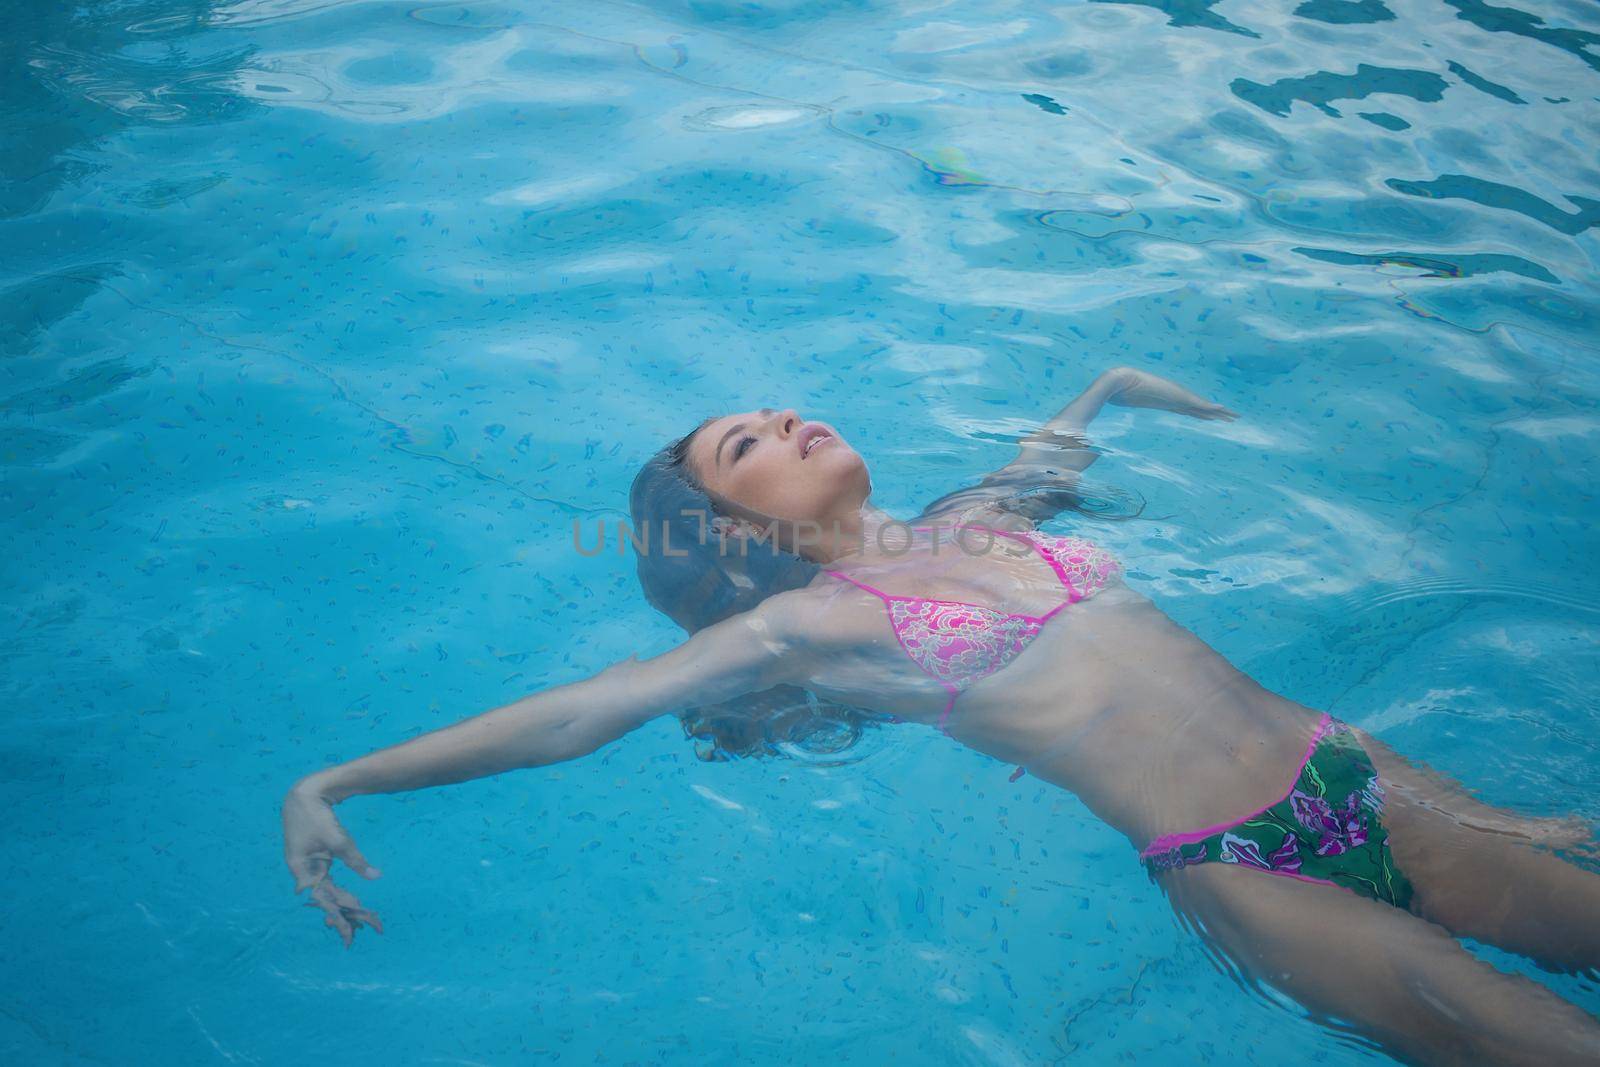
(1043, 478)
(746, 653)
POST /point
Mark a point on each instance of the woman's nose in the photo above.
(788, 421)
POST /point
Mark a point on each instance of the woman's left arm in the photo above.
(1050, 459)
(750, 652)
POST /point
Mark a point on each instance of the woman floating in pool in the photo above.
(1345, 885)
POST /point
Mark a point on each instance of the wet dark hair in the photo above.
(706, 579)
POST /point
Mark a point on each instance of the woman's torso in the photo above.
(1146, 723)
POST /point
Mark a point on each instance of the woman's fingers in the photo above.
(307, 870)
(342, 911)
(1566, 832)
(363, 915)
(313, 839)
(347, 851)
(1205, 409)
(1585, 847)
(334, 917)
(352, 909)
(358, 915)
(304, 878)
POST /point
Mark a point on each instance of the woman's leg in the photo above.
(1398, 979)
(1477, 872)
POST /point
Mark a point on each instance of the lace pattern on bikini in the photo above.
(958, 643)
(1083, 565)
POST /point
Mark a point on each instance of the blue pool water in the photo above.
(322, 322)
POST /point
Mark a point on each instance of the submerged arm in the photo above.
(746, 653)
(1042, 480)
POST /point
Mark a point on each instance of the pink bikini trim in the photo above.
(1166, 842)
(958, 643)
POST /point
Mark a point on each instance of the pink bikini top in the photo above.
(958, 643)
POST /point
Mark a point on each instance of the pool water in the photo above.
(323, 323)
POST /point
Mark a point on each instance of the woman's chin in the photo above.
(844, 456)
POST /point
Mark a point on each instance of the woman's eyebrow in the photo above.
(730, 433)
(724, 441)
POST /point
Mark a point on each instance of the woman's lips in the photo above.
(812, 438)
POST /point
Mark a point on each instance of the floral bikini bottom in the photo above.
(1326, 829)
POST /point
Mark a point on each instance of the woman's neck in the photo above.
(865, 536)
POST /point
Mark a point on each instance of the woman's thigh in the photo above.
(1400, 980)
(1477, 872)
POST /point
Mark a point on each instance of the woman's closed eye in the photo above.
(744, 445)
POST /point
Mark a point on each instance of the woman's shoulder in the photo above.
(821, 616)
(1070, 542)
(986, 513)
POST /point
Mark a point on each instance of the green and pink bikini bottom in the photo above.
(1327, 828)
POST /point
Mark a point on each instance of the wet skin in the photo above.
(1156, 732)
(1152, 728)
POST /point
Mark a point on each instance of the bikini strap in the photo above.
(861, 585)
(954, 691)
(959, 526)
(1047, 556)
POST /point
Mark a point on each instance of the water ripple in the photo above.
(323, 320)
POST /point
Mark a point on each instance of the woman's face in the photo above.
(779, 465)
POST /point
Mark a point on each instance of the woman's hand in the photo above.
(1133, 388)
(312, 837)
